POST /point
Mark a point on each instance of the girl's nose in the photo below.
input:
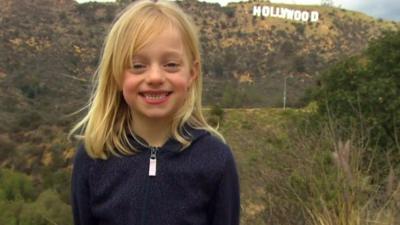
(155, 76)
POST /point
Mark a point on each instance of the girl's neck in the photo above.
(154, 132)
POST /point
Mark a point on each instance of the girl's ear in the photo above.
(194, 72)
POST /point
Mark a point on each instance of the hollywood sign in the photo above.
(285, 13)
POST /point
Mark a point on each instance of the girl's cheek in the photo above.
(182, 84)
(130, 84)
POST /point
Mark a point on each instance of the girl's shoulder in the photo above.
(213, 148)
(81, 166)
(206, 138)
(214, 156)
(81, 156)
(213, 142)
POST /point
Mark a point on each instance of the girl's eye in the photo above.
(138, 67)
(172, 64)
(172, 67)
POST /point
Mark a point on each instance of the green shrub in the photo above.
(20, 204)
(230, 12)
(15, 186)
(364, 91)
(217, 111)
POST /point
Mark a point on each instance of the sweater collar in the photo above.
(192, 134)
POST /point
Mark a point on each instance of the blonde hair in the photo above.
(106, 125)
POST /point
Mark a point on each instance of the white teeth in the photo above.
(155, 97)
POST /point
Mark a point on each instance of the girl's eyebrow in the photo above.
(138, 57)
(172, 54)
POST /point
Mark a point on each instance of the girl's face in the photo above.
(157, 84)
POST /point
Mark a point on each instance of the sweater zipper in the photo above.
(153, 162)
(152, 173)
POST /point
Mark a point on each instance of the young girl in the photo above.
(149, 157)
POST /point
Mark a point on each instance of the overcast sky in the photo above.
(385, 9)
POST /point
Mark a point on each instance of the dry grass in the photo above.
(296, 171)
(356, 203)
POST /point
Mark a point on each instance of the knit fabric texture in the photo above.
(196, 186)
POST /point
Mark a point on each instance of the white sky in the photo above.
(386, 9)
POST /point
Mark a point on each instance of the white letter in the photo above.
(256, 10)
(277, 12)
(314, 16)
(265, 11)
(297, 15)
(305, 16)
(289, 14)
(272, 12)
(281, 13)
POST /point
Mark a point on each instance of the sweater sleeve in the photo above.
(226, 202)
(80, 189)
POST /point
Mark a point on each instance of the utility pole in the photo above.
(284, 90)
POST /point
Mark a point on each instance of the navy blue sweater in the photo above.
(197, 186)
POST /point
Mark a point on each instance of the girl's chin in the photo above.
(156, 115)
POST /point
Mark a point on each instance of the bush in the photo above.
(21, 205)
(7, 147)
(15, 186)
(318, 179)
(217, 111)
(364, 91)
(230, 12)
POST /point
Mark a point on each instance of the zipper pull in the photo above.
(153, 162)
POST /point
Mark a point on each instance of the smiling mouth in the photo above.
(155, 96)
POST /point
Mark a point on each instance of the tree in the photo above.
(15, 186)
(19, 205)
(365, 90)
(229, 11)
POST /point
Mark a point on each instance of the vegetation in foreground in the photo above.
(293, 170)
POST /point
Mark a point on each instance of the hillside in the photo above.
(250, 55)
